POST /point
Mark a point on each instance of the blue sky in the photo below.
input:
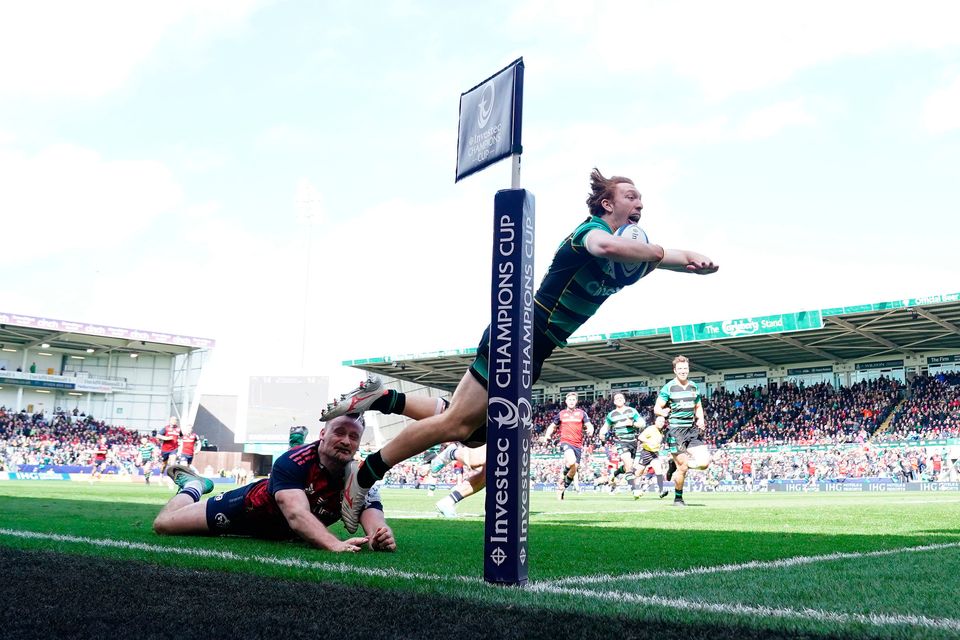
(167, 166)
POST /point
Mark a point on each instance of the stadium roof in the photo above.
(66, 336)
(908, 327)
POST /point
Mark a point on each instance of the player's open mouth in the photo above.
(635, 218)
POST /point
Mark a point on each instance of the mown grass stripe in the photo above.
(742, 566)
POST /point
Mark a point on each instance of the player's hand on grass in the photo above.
(382, 540)
(351, 545)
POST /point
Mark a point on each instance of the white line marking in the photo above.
(229, 555)
(874, 619)
(543, 587)
(754, 564)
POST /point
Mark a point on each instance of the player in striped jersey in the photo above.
(679, 403)
(147, 450)
(579, 280)
(572, 422)
(626, 423)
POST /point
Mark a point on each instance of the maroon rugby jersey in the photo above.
(571, 423)
(298, 468)
(188, 443)
(170, 445)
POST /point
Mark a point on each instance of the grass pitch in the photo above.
(729, 565)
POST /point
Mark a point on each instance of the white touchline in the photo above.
(874, 619)
(229, 555)
(754, 564)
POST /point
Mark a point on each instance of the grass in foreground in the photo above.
(638, 556)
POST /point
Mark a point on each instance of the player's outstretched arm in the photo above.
(377, 530)
(687, 262)
(601, 244)
(296, 509)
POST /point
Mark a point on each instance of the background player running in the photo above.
(572, 422)
(679, 402)
(147, 451)
(651, 441)
(474, 462)
(190, 445)
(626, 423)
(169, 438)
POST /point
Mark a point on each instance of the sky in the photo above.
(279, 176)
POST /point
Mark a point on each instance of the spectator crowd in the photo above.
(764, 432)
(63, 438)
(831, 432)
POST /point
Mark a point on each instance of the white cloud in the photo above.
(729, 47)
(768, 121)
(941, 112)
(568, 146)
(88, 49)
(84, 201)
(287, 137)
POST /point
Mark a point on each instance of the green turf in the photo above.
(614, 537)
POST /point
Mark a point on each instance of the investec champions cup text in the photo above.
(518, 414)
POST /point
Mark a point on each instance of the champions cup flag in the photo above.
(490, 119)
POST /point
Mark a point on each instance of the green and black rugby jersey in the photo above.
(146, 452)
(575, 286)
(682, 400)
(626, 423)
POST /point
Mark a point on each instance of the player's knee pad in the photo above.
(698, 457)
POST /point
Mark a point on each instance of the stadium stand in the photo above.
(931, 410)
(786, 432)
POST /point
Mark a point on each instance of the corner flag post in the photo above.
(490, 130)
